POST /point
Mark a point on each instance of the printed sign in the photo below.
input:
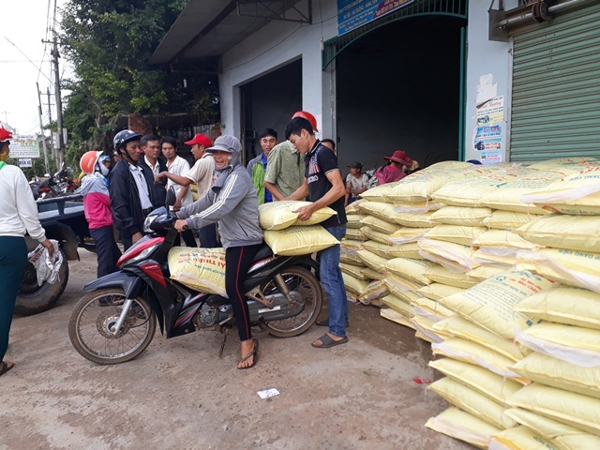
(490, 111)
(25, 162)
(355, 13)
(24, 146)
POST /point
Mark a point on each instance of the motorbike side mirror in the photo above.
(171, 197)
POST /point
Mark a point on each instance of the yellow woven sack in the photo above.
(202, 269)
(374, 290)
(414, 220)
(417, 208)
(377, 194)
(576, 164)
(384, 211)
(396, 317)
(355, 234)
(456, 215)
(351, 244)
(454, 257)
(354, 221)
(376, 236)
(280, 215)
(577, 194)
(469, 191)
(508, 196)
(574, 268)
(461, 425)
(352, 297)
(482, 257)
(373, 261)
(407, 235)
(419, 186)
(520, 438)
(461, 328)
(568, 305)
(371, 274)
(435, 291)
(354, 207)
(490, 303)
(431, 309)
(410, 250)
(576, 345)
(379, 225)
(473, 353)
(482, 273)
(472, 402)
(410, 269)
(398, 305)
(424, 325)
(504, 242)
(576, 410)
(440, 274)
(560, 374)
(350, 258)
(563, 231)
(402, 288)
(564, 436)
(299, 240)
(477, 378)
(378, 248)
(353, 285)
(508, 220)
(353, 270)
(455, 233)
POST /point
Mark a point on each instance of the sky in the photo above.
(25, 23)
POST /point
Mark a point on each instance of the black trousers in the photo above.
(237, 262)
(107, 251)
(208, 236)
(188, 238)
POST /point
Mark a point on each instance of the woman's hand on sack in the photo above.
(181, 225)
(49, 246)
(305, 212)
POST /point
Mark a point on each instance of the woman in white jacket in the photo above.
(18, 215)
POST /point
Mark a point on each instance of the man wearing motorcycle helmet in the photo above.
(96, 205)
(18, 215)
(132, 190)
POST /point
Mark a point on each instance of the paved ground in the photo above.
(179, 394)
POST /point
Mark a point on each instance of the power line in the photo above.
(20, 51)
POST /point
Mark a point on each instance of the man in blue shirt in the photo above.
(258, 166)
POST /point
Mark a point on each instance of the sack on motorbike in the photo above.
(280, 215)
(202, 269)
(300, 240)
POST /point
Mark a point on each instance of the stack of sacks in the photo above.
(286, 235)
(480, 355)
(354, 225)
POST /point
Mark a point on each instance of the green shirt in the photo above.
(285, 168)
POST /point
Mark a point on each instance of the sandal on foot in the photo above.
(328, 342)
(324, 322)
(254, 353)
(5, 367)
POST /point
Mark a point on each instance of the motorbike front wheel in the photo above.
(306, 284)
(92, 322)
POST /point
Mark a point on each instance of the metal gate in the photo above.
(556, 88)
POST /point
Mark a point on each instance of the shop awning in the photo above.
(208, 28)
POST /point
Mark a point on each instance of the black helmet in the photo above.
(123, 137)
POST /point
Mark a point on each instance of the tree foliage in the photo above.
(109, 43)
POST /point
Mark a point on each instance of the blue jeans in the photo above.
(331, 279)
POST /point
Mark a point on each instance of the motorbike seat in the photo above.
(264, 252)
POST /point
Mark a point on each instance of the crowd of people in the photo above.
(120, 191)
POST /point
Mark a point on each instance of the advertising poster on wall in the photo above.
(355, 13)
(490, 111)
(24, 146)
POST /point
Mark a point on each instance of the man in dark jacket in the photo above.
(133, 194)
(150, 146)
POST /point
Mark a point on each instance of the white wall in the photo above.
(273, 46)
(486, 57)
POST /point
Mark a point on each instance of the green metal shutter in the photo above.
(556, 88)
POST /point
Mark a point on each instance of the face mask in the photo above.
(104, 170)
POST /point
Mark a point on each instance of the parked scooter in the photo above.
(116, 321)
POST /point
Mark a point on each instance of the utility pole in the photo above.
(49, 104)
(61, 147)
(42, 129)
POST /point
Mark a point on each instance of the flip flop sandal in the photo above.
(254, 353)
(328, 342)
(5, 367)
(324, 322)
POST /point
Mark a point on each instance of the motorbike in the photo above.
(116, 321)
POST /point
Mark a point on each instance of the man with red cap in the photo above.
(394, 170)
(202, 175)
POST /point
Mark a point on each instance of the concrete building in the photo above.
(439, 79)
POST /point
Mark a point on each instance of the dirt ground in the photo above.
(179, 394)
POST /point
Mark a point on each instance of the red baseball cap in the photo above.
(201, 139)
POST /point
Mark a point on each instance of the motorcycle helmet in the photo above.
(88, 161)
(308, 116)
(123, 137)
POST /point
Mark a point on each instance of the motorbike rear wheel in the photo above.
(94, 316)
(303, 281)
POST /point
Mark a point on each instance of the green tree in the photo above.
(109, 43)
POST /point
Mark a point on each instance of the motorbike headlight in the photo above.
(143, 255)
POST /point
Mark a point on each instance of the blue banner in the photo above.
(355, 13)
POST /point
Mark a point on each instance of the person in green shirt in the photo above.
(285, 170)
(258, 166)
